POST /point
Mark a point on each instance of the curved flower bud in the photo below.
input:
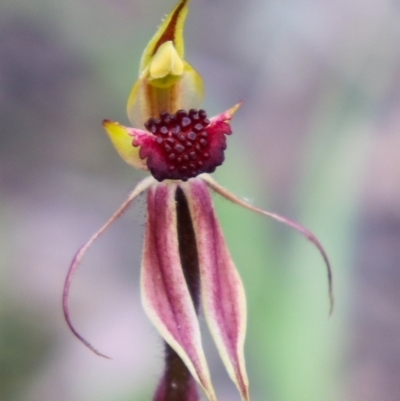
(166, 81)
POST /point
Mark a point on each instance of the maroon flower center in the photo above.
(183, 140)
(183, 145)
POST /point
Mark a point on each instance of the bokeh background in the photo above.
(317, 139)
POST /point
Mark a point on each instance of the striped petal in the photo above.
(223, 295)
(165, 294)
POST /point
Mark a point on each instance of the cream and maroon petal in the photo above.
(223, 295)
(165, 294)
(302, 230)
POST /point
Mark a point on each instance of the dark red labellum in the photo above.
(185, 145)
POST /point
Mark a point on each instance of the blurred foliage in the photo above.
(24, 345)
(320, 84)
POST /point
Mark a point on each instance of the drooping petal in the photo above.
(142, 186)
(222, 291)
(302, 230)
(121, 138)
(165, 294)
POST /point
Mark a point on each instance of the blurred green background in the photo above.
(317, 139)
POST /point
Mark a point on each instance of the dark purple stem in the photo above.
(177, 383)
(188, 248)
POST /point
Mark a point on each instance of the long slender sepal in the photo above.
(223, 296)
(142, 186)
(165, 294)
(302, 230)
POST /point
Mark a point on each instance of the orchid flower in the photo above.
(185, 260)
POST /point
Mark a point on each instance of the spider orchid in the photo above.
(185, 260)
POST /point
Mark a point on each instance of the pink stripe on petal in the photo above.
(165, 294)
(223, 295)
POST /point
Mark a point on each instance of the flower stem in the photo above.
(187, 247)
(177, 383)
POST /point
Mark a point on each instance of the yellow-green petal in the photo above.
(150, 99)
(122, 141)
(166, 81)
(191, 89)
(171, 29)
(165, 61)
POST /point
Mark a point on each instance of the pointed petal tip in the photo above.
(233, 109)
(171, 29)
(226, 115)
